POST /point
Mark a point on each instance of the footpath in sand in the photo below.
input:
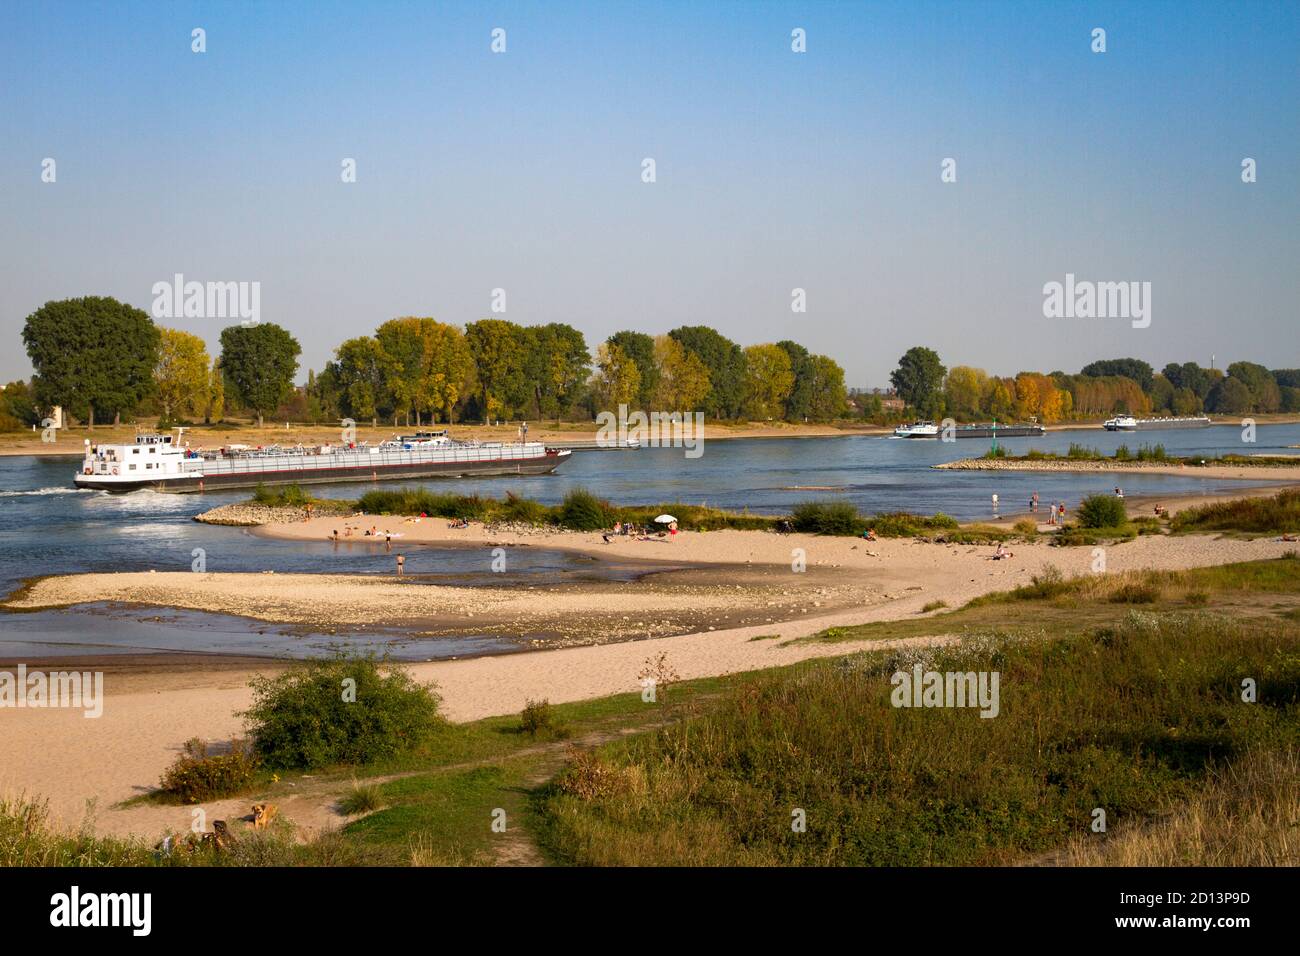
(70, 759)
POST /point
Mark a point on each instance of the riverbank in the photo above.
(146, 718)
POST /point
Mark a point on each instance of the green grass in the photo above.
(1125, 717)
(1273, 515)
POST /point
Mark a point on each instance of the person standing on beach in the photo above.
(401, 564)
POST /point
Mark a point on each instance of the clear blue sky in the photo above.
(776, 170)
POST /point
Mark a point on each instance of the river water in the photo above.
(48, 527)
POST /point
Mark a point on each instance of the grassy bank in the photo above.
(1274, 515)
(1120, 692)
(1133, 717)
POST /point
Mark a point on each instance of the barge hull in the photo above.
(351, 473)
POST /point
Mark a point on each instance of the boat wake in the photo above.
(49, 491)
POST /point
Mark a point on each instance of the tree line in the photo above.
(1107, 387)
(101, 359)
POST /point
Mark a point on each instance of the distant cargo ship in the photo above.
(158, 463)
(931, 430)
(1127, 423)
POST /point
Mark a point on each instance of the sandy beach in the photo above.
(149, 712)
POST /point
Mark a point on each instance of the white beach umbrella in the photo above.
(665, 519)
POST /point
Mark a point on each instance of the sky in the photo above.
(775, 170)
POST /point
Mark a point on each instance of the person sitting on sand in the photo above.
(870, 534)
(1002, 552)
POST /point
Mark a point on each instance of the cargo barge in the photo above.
(158, 463)
(992, 430)
(1127, 423)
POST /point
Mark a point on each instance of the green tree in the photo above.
(1230, 396)
(91, 355)
(918, 380)
(798, 405)
(403, 343)
(17, 407)
(364, 372)
(963, 392)
(828, 399)
(683, 377)
(556, 364)
(640, 348)
(181, 375)
(1185, 402)
(1264, 393)
(617, 380)
(1136, 369)
(446, 369)
(1189, 375)
(258, 362)
(1162, 394)
(498, 348)
(768, 381)
(726, 367)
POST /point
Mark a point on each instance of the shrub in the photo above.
(995, 452)
(827, 517)
(1102, 511)
(1082, 451)
(933, 606)
(522, 510)
(286, 496)
(583, 511)
(1152, 453)
(364, 798)
(1133, 593)
(1026, 526)
(590, 777)
(537, 718)
(198, 775)
(1122, 453)
(340, 710)
(902, 524)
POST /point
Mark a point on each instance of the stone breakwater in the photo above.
(250, 515)
(1057, 464)
(1283, 468)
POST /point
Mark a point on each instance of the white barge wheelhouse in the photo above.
(158, 463)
